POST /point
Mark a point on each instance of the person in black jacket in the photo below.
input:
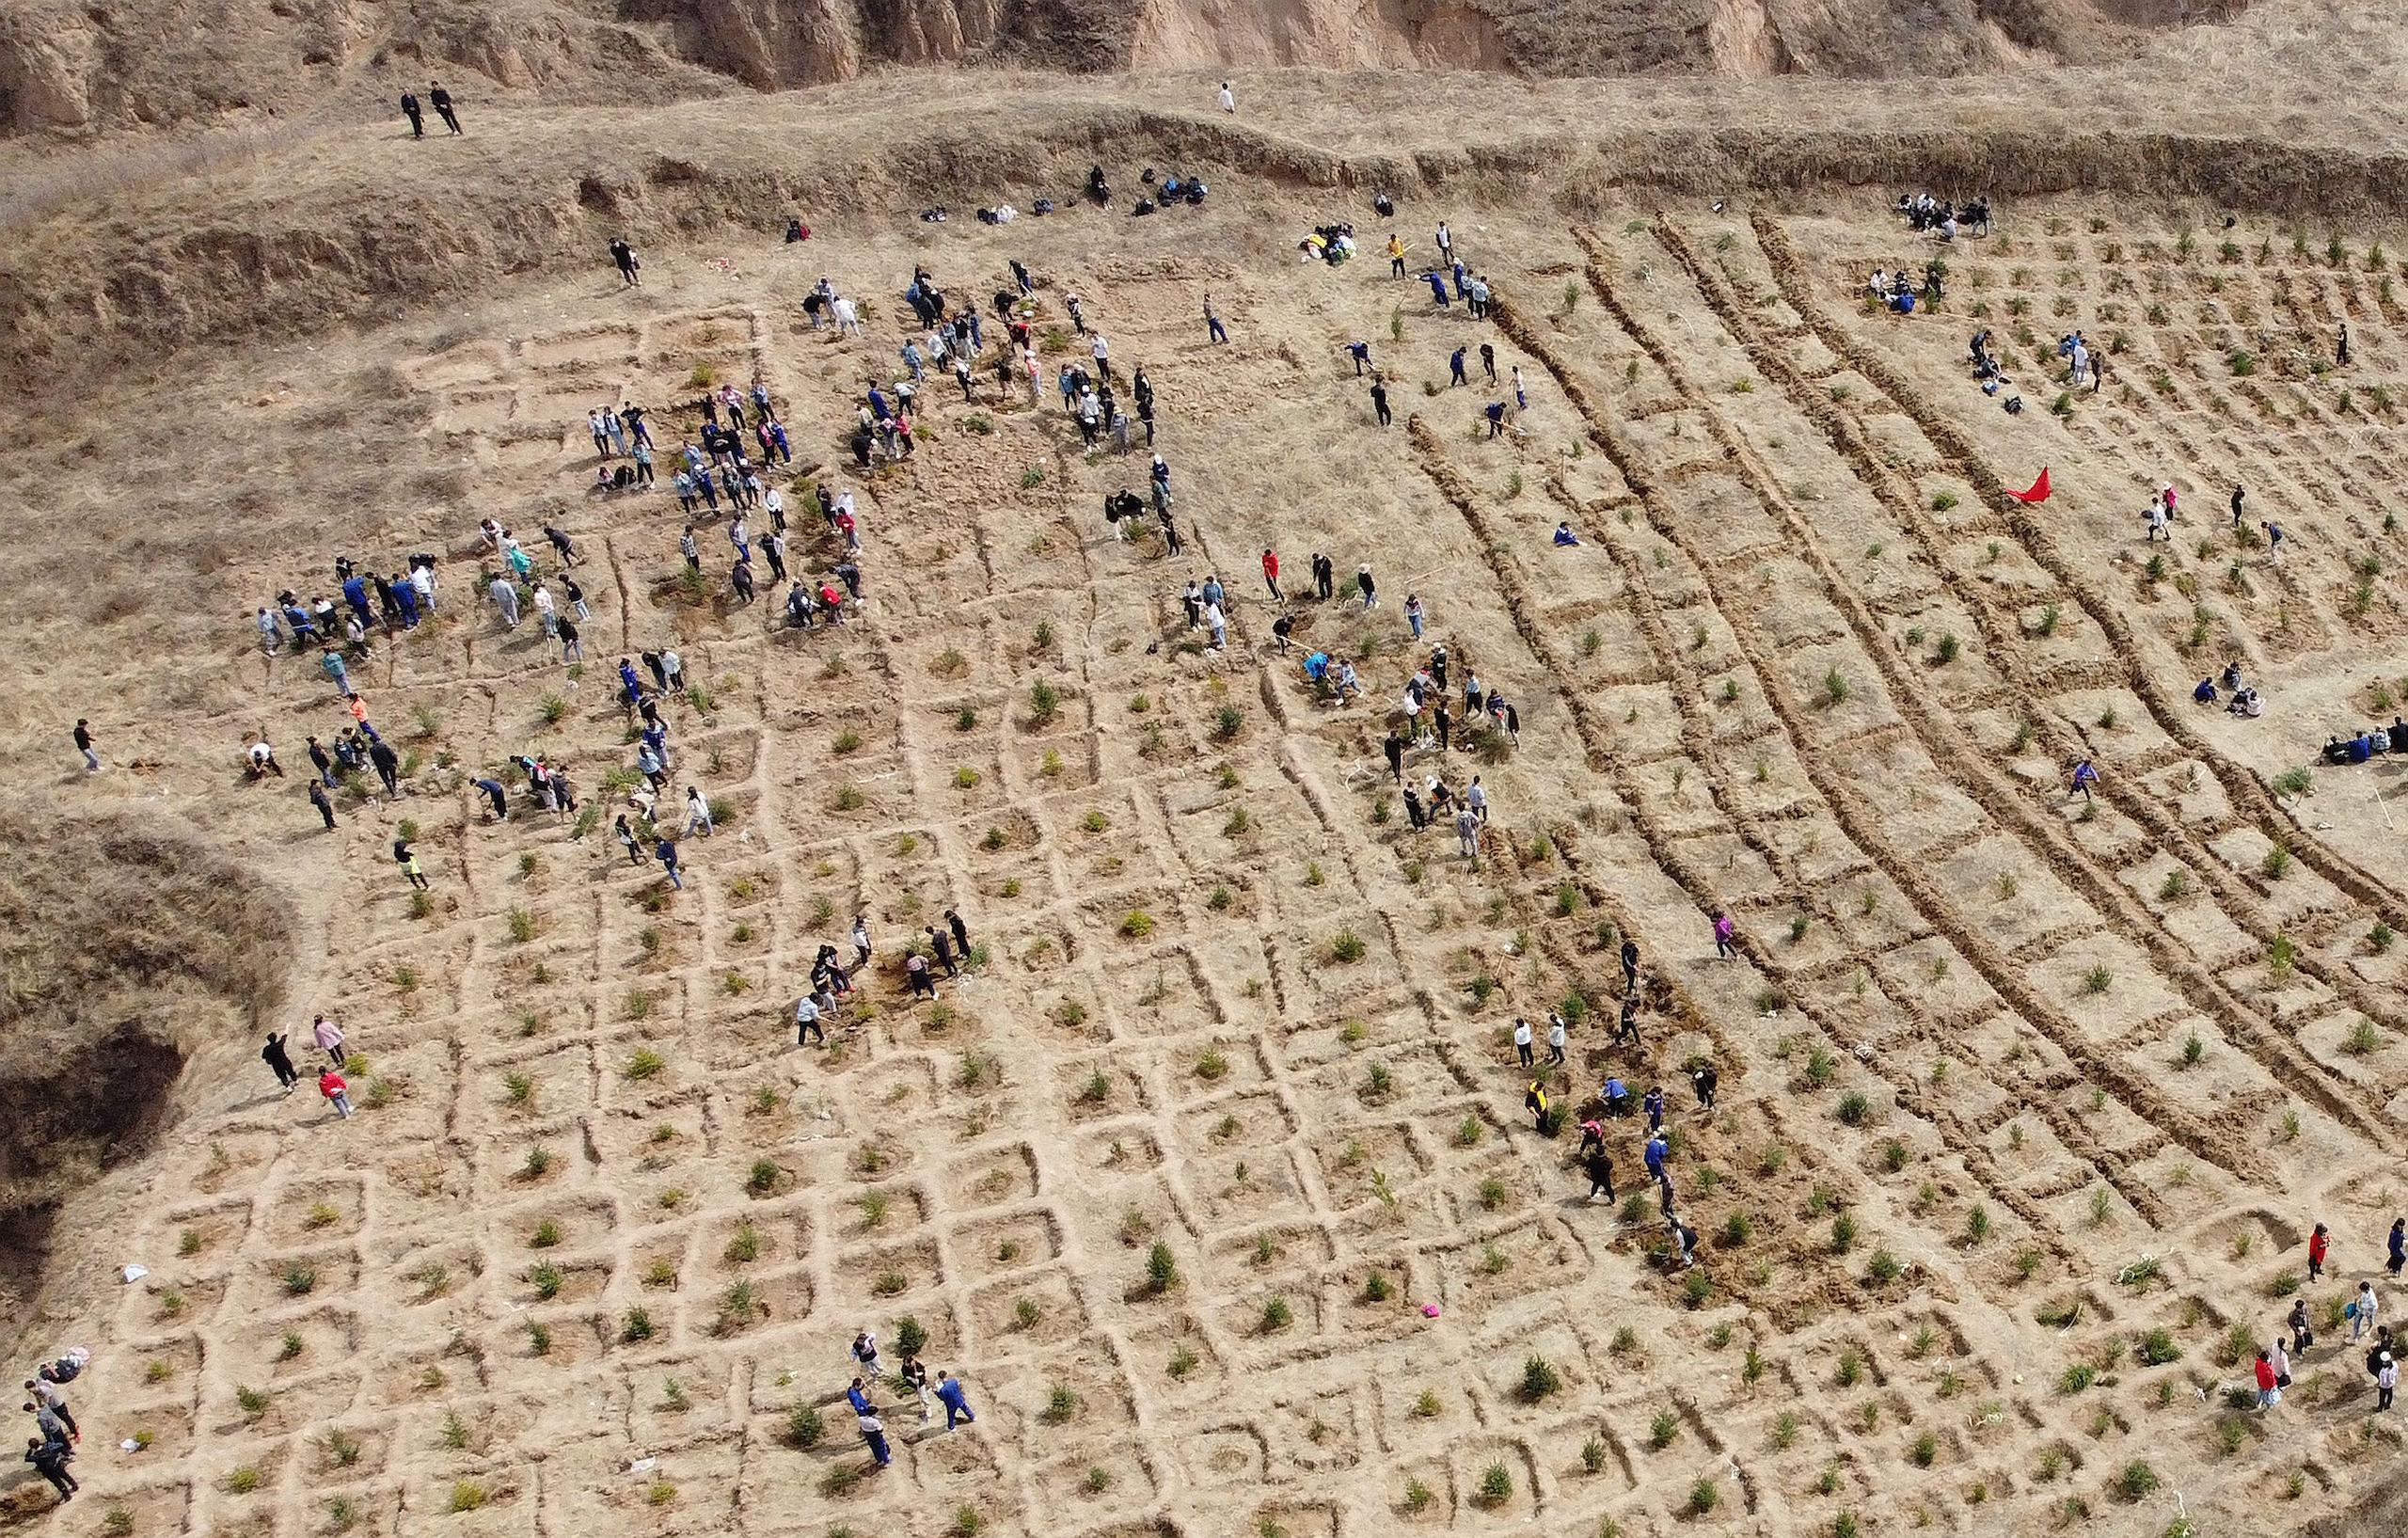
(442, 100)
(275, 1057)
(416, 117)
(51, 1457)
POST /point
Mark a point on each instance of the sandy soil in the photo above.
(2013, 1088)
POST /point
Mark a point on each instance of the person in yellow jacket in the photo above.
(1396, 255)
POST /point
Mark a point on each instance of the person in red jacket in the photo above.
(337, 1093)
(1270, 573)
(2317, 1243)
(2268, 1394)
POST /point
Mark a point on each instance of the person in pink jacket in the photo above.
(329, 1038)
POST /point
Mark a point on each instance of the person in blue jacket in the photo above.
(954, 1399)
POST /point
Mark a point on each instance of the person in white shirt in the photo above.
(1229, 101)
(698, 813)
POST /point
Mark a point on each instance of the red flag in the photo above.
(2039, 492)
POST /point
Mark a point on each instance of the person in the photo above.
(1229, 103)
(49, 1396)
(623, 257)
(698, 813)
(2398, 1245)
(2086, 774)
(277, 1058)
(337, 1094)
(1616, 1096)
(1557, 1036)
(1214, 331)
(2302, 1334)
(915, 971)
(1455, 374)
(442, 100)
(326, 808)
(2238, 494)
(1686, 1237)
(915, 1374)
(1652, 1103)
(415, 114)
(50, 1457)
(954, 1399)
(1522, 1041)
(2341, 346)
(1495, 413)
(941, 946)
(1703, 1079)
(1534, 1101)
(263, 764)
(961, 933)
(2386, 1378)
(807, 1022)
(407, 860)
(495, 796)
(1725, 945)
(1598, 1168)
(2362, 1311)
(84, 746)
(1412, 615)
(1629, 965)
(1564, 536)
(1365, 586)
(2274, 540)
(1626, 1029)
(1271, 572)
(666, 852)
(1467, 834)
(2268, 1395)
(2320, 1244)
(874, 1432)
(329, 1038)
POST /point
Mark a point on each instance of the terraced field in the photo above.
(1209, 1177)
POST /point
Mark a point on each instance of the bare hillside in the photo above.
(117, 64)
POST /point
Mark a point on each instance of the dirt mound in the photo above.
(127, 946)
(115, 65)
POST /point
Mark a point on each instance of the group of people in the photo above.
(1927, 215)
(2271, 1369)
(914, 1374)
(1614, 1103)
(1896, 291)
(328, 1037)
(53, 1446)
(2245, 700)
(372, 603)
